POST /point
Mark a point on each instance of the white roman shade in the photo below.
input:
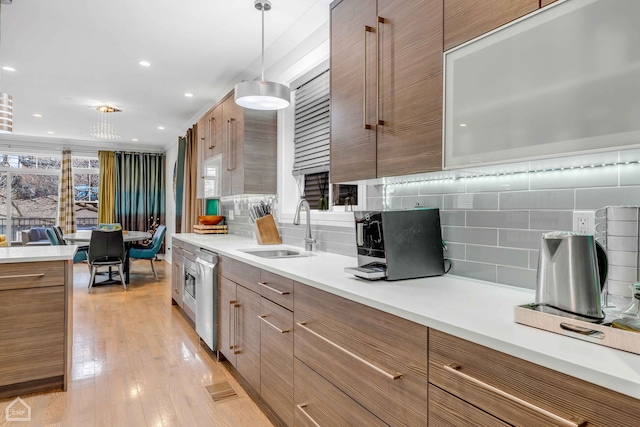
(311, 152)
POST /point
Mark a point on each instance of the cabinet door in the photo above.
(446, 410)
(176, 278)
(276, 365)
(248, 336)
(353, 90)
(233, 148)
(410, 79)
(544, 3)
(216, 127)
(228, 318)
(465, 20)
(32, 328)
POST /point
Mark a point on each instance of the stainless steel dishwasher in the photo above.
(207, 297)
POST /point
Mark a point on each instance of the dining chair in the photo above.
(151, 251)
(106, 249)
(56, 240)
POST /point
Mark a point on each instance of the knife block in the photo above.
(267, 231)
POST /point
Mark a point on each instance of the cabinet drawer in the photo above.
(32, 334)
(522, 393)
(446, 410)
(277, 288)
(319, 403)
(378, 359)
(31, 275)
(241, 273)
(276, 349)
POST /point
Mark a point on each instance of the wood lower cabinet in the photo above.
(35, 326)
(446, 410)
(177, 271)
(386, 88)
(320, 403)
(239, 327)
(276, 363)
(499, 384)
(465, 20)
(377, 359)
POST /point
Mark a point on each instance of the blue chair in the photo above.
(150, 251)
(81, 253)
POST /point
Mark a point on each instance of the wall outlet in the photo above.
(231, 215)
(584, 222)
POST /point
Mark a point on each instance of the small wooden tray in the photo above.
(210, 229)
(267, 231)
(602, 334)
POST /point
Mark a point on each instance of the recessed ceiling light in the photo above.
(145, 63)
(50, 133)
(37, 115)
(188, 95)
(463, 125)
(134, 139)
(8, 68)
(161, 127)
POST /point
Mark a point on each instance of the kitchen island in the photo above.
(464, 317)
(36, 290)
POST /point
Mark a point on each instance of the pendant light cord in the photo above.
(262, 10)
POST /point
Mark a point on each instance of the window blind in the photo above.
(311, 138)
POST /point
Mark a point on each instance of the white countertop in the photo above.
(477, 311)
(36, 253)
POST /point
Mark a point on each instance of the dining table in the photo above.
(83, 237)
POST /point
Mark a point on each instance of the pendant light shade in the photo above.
(262, 95)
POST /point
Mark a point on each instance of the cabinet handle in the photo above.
(367, 29)
(190, 253)
(282, 331)
(230, 144)
(378, 121)
(212, 123)
(453, 368)
(393, 376)
(582, 331)
(264, 285)
(233, 310)
(22, 276)
(306, 414)
(235, 330)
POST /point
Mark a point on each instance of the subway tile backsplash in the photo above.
(492, 224)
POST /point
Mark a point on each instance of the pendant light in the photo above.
(6, 101)
(262, 95)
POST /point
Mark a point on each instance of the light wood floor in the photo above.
(137, 362)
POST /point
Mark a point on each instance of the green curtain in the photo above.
(66, 197)
(106, 187)
(139, 189)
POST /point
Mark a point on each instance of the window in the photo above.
(86, 177)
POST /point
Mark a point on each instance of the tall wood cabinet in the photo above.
(249, 150)
(386, 88)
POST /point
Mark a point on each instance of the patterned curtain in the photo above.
(190, 206)
(66, 205)
(106, 188)
(139, 190)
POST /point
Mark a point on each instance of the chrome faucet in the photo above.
(309, 241)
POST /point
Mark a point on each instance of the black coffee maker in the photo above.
(398, 244)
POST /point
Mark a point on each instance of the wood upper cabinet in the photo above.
(518, 392)
(215, 121)
(249, 150)
(465, 20)
(386, 88)
(544, 3)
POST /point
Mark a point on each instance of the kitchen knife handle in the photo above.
(455, 369)
(379, 122)
(306, 414)
(282, 331)
(367, 29)
(391, 376)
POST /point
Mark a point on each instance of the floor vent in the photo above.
(221, 391)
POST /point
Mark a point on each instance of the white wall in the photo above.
(171, 155)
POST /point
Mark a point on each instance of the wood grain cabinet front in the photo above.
(446, 410)
(276, 361)
(320, 403)
(277, 289)
(521, 393)
(378, 359)
(386, 88)
(177, 272)
(465, 20)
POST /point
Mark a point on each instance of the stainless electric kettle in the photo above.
(572, 269)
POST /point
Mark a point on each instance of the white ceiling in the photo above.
(70, 55)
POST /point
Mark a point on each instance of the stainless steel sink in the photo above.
(275, 253)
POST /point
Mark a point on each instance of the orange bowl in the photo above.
(210, 219)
